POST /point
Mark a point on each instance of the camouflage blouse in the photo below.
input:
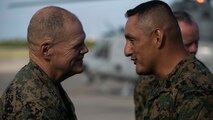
(186, 94)
(32, 95)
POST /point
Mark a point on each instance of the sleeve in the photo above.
(195, 98)
(195, 109)
(195, 102)
(1, 108)
(37, 111)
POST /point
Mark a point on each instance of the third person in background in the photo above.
(189, 31)
(181, 86)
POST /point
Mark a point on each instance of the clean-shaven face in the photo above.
(138, 46)
(68, 55)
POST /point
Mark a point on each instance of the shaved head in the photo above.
(56, 42)
(48, 23)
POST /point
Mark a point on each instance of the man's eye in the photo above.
(132, 41)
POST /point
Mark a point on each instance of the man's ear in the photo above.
(158, 36)
(45, 49)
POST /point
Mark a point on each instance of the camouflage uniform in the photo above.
(186, 94)
(32, 95)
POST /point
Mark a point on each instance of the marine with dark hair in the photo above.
(56, 50)
(183, 87)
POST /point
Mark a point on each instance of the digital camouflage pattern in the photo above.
(186, 94)
(32, 95)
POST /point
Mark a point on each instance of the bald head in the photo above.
(56, 42)
(48, 23)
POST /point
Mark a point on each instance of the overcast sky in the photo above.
(97, 17)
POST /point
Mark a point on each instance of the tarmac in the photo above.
(92, 101)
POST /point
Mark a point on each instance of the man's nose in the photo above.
(84, 50)
(127, 50)
(193, 49)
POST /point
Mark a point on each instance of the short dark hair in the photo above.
(147, 6)
(156, 14)
(183, 16)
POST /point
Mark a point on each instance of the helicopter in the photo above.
(108, 62)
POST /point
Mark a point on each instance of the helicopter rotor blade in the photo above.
(46, 2)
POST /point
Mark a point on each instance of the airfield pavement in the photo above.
(91, 103)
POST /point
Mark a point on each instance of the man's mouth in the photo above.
(134, 60)
(80, 58)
